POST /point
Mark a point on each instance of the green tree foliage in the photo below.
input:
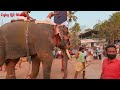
(109, 29)
(74, 30)
(71, 16)
(74, 36)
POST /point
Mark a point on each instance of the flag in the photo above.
(61, 17)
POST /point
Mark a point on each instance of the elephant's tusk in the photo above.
(68, 54)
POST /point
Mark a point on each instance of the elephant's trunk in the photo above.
(68, 54)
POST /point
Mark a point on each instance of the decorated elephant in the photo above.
(19, 37)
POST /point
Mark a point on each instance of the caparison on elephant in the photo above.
(41, 41)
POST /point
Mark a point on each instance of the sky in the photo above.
(86, 19)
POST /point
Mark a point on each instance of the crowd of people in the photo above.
(83, 54)
(110, 65)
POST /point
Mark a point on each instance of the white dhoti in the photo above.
(46, 21)
(65, 23)
(22, 17)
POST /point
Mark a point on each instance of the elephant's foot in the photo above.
(29, 76)
(10, 77)
(46, 77)
(32, 76)
(65, 76)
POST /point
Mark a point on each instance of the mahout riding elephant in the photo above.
(40, 41)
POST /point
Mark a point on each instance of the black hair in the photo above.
(81, 48)
(109, 46)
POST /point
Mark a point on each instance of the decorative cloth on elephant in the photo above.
(68, 43)
(57, 40)
(22, 17)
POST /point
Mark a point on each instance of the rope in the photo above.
(26, 34)
(27, 49)
(85, 67)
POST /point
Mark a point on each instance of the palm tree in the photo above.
(75, 29)
(72, 17)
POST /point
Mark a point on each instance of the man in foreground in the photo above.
(111, 65)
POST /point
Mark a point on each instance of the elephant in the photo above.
(40, 43)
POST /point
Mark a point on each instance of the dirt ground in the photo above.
(93, 71)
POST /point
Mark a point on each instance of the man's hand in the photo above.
(56, 13)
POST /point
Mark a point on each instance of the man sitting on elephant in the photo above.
(50, 15)
(25, 16)
(48, 21)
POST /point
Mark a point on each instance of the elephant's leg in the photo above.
(1, 68)
(47, 63)
(35, 67)
(2, 56)
(65, 62)
(62, 65)
(10, 68)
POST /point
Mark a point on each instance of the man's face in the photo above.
(111, 50)
(111, 53)
(82, 50)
